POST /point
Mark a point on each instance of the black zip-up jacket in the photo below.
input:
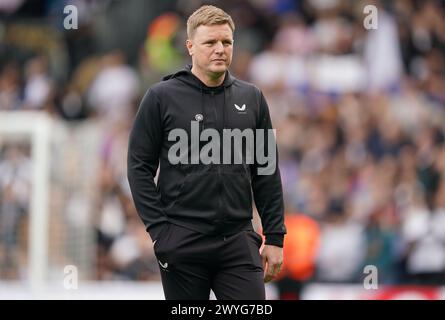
(208, 198)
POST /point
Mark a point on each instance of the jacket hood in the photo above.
(186, 76)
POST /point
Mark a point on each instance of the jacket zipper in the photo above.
(218, 210)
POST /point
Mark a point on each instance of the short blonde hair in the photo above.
(208, 16)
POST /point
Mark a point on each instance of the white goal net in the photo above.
(47, 179)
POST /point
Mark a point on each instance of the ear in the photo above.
(189, 45)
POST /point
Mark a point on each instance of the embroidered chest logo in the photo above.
(241, 109)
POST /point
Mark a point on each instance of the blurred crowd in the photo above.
(360, 117)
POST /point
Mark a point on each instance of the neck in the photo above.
(209, 80)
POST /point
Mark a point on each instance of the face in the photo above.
(211, 48)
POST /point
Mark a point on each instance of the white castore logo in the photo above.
(242, 108)
(163, 265)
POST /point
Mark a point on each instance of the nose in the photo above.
(219, 47)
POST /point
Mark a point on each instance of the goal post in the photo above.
(37, 127)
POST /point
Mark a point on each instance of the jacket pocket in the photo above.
(237, 192)
(257, 237)
(163, 236)
(198, 196)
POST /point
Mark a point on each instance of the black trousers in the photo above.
(192, 263)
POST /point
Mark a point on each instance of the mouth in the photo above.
(219, 60)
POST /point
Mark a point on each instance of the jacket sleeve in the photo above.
(266, 180)
(142, 163)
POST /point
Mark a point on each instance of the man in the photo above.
(199, 213)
